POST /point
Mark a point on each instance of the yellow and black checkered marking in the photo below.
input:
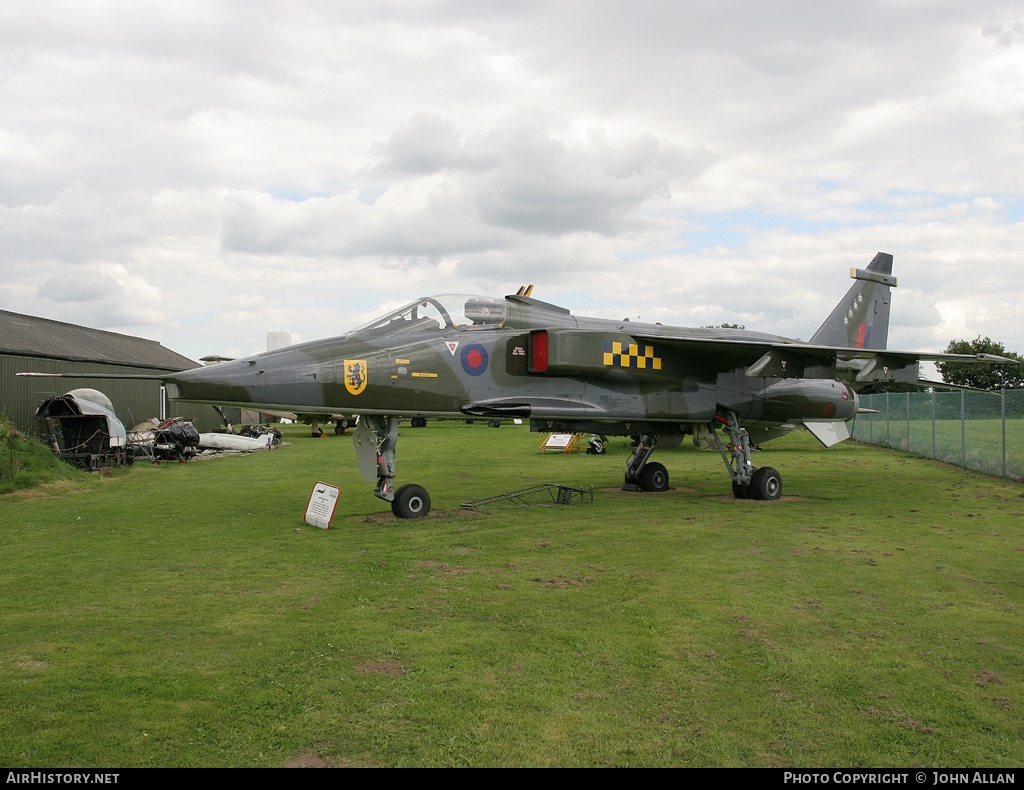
(630, 355)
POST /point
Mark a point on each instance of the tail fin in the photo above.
(861, 319)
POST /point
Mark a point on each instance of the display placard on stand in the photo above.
(561, 443)
(322, 501)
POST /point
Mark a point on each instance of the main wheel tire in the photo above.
(766, 484)
(653, 477)
(740, 492)
(317, 433)
(418, 422)
(340, 426)
(411, 501)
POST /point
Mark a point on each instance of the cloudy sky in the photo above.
(200, 172)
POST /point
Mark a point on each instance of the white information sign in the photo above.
(320, 510)
(558, 441)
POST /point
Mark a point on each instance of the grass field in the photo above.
(183, 615)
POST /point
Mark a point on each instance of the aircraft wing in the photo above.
(770, 357)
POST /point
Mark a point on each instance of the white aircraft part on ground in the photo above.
(239, 444)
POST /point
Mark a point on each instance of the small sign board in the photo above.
(561, 443)
(322, 501)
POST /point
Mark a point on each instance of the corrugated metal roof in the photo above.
(30, 336)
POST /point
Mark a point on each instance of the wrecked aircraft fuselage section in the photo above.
(83, 430)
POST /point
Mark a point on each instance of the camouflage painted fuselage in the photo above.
(529, 359)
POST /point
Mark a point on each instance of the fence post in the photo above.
(888, 439)
(933, 423)
(910, 444)
(871, 420)
(1002, 419)
(963, 428)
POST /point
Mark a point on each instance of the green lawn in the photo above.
(183, 615)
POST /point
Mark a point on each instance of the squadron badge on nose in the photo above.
(355, 375)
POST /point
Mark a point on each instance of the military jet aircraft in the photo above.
(471, 356)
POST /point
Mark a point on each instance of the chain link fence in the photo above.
(983, 431)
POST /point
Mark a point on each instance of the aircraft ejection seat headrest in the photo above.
(484, 311)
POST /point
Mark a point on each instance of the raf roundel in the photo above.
(474, 359)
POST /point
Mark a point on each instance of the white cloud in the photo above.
(225, 168)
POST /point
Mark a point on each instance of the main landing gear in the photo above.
(748, 481)
(409, 501)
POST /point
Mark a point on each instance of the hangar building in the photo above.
(40, 345)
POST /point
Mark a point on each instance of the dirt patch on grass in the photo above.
(447, 570)
(757, 636)
(684, 490)
(314, 760)
(376, 518)
(672, 490)
(564, 581)
(387, 667)
(760, 501)
(434, 515)
(987, 676)
(914, 724)
(29, 665)
(306, 760)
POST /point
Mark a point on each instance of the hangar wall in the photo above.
(45, 345)
(134, 400)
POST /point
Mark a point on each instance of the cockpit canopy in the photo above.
(438, 314)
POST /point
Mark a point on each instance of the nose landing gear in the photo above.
(376, 440)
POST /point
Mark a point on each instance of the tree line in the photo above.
(979, 375)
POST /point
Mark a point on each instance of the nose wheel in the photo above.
(411, 501)
(654, 477)
(376, 442)
(641, 475)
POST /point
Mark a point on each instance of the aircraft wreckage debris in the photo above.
(540, 495)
